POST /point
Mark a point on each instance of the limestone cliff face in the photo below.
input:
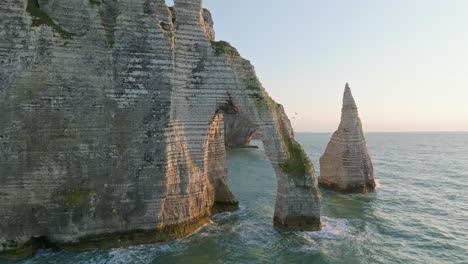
(346, 165)
(111, 125)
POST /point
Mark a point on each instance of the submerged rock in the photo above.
(111, 125)
(346, 165)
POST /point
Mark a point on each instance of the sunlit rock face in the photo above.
(346, 165)
(111, 125)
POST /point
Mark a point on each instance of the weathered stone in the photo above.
(116, 128)
(346, 165)
(239, 132)
(208, 25)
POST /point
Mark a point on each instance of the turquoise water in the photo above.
(419, 213)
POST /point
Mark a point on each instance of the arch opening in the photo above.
(216, 167)
(238, 130)
(296, 200)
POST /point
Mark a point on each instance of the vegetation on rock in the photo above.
(298, 164)
(224, 48)
(40, 18)
(77, 198)
(95, 2)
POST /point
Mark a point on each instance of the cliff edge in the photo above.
(112, 125)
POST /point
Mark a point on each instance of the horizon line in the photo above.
(416, 131)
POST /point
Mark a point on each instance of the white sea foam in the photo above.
(226, 215)
(331, 229)
(377, 184)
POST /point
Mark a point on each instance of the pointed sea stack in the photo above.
(346, 165)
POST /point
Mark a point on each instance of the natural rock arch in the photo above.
(110, 126)
(215, 68)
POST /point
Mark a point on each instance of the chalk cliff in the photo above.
(112, 125)
(346, 165)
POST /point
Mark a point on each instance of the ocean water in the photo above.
(418, 214)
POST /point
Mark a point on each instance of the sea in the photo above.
(418, 214)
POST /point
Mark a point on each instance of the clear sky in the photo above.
(405, 60)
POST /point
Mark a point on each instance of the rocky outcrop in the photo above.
(346, 165)
(111, 125)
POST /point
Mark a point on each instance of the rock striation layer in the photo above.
(346, 165)
(112, 125)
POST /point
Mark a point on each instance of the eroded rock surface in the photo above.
(111, 125)
(239, 132)
(346, 165)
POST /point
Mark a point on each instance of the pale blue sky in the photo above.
(406, 60)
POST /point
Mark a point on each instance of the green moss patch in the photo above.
(18, 254)
(224, 48)
(40, 18)
(298, 164)
(252, 88)
(95, 2)
(77, 198)
(256, 97)
(168, 35)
